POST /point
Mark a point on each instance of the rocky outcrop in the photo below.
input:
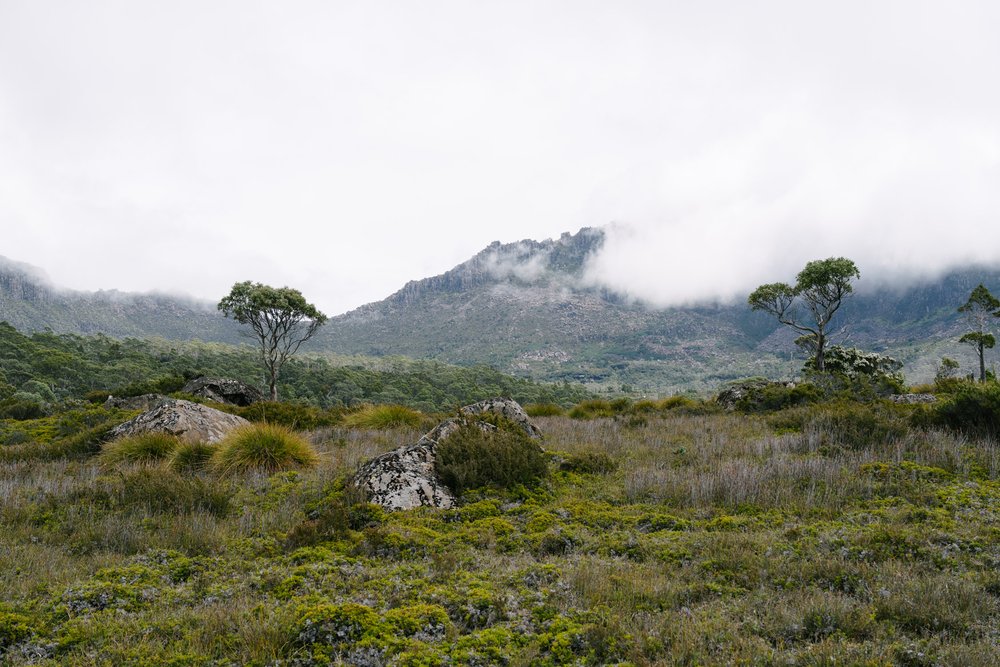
(223, 390)
(191, 422)
(143, 402)
(910, 399)
(406, 477)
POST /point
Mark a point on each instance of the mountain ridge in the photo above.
(530, 308)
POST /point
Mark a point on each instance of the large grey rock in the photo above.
(407, 477)
(189, 421)
(223, 390)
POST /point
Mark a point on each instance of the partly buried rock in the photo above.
(910, 399)
(407, 477)
(143, 402)
(223, 390)
(191, 422)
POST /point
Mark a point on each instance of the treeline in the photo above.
(46, 368)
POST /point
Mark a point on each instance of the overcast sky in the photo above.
(344, 148)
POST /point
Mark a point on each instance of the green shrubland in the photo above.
(828, 528)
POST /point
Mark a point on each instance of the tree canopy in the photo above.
(978, 310)
(820, 288)
(279, 318)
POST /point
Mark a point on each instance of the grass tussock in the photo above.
(828, 533)
(385, 417)
(145, 448)
(191, 457)
(263, 448)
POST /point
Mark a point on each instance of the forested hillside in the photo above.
(46, 367)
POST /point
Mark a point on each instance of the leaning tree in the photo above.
(979, 310)
(820, 288)
(279, 318)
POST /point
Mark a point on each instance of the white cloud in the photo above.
(345, 148)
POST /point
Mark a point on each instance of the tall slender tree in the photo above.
(979, 310)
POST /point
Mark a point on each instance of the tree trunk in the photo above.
(273, 386)
(820, 353)
(982, 362)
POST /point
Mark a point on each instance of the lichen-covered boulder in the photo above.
(407, 477)
(505, 408)
(191, 422)
(223, 390)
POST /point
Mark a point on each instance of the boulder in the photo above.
(191, 422)
(143, 402)
(223, 390)
(406, 477)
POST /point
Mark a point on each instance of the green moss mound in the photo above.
(143, 448)
(383, 417)
(263, 447)
(504, 458)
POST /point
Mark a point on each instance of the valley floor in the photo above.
(804, 538)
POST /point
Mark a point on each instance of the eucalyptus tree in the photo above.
(279, 318)
(979, 310)
(820, 289)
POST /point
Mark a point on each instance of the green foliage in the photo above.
(589, 462)
(821, 287)
(191, 457)
(74, 366)
(263, 447)
(846, 424)
(972, 409)
(544, 410)
(291, 415)
(383, 417)
(472, 457)
(855, 365)
(279, 318)
(142, 448)
(14, 628)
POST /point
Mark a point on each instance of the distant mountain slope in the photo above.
(30, 302)
(525, 307)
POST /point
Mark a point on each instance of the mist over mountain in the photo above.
(30, 302)
(543, 309)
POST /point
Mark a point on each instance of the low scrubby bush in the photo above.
(973, 409)
(382, 417)
(263, 447)
(471, 457)
(846, 423)
(543, 410)
(142, 448)
(292, 415)
(189, 457)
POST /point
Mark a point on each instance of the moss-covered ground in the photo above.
(813, 536)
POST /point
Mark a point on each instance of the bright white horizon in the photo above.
(345, 148)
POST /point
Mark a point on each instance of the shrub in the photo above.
(543, 410)
(471, 457)
(190, 457)
(142, 448)
(593, 409)
(973, 409)
(292, 415)
(589, 462)
(13, 629)
(382, 417)
(265, 447)
(22, 406)
(845, 423)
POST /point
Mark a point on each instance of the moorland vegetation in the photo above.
(807, 523)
